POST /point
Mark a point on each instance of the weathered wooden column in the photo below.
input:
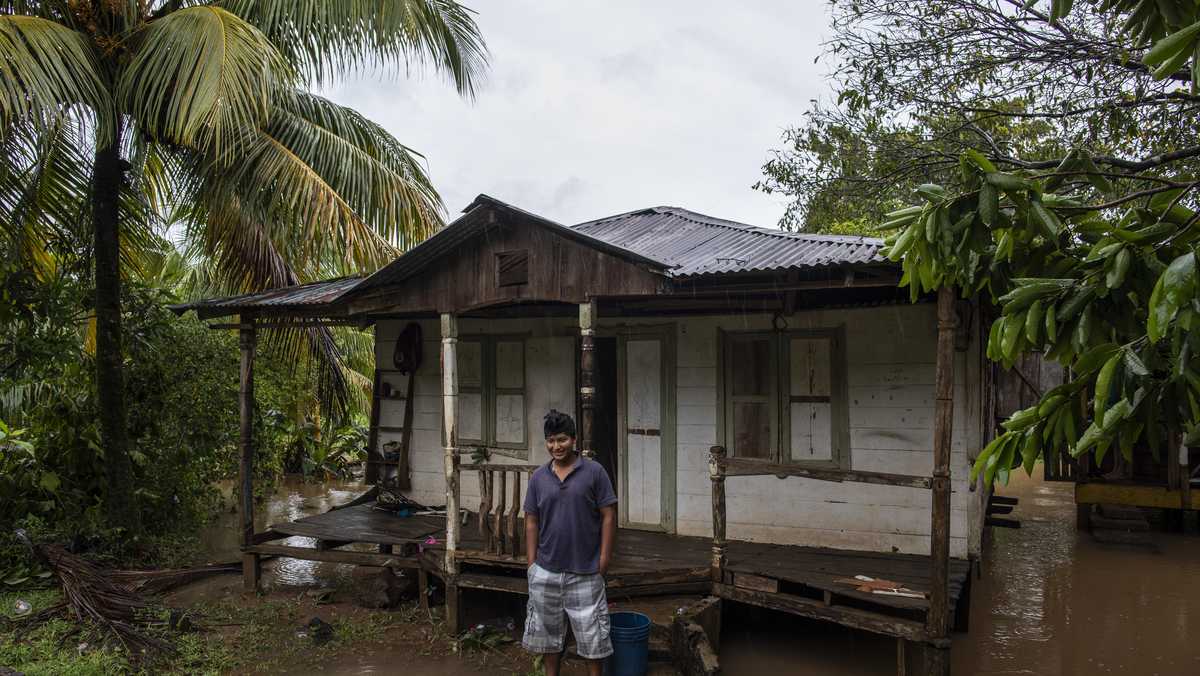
(716, 472)
(251, 566)
(937, 622)
(450, 427)
(587, 380)
(1185, 478)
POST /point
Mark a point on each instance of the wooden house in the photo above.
(774, 412)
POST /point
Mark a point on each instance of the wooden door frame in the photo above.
(665, 334)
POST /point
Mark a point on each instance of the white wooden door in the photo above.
(647, 494)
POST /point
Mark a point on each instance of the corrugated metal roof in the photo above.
(308, 297)
(680, 243)
(474, 220)
(695, 244)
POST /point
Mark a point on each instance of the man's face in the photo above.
(560, 446)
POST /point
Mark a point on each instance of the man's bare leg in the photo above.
(595, 667)
(551, 662)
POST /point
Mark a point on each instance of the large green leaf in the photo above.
(321, 37)
(201, 76)
(1175, 287)
(1168, 48)
(44, 68)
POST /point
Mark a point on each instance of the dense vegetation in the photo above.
(1051, 147)
(122, 120)
(182, 382)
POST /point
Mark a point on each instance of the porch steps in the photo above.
(1120, 524)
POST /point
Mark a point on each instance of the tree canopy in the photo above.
(128, 120)
(1052, 149)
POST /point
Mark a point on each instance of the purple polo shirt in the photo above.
(568, 515)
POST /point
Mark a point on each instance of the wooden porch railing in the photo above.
(498, 522)
(937, 618)
(720, 466)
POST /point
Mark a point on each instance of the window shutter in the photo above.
(810, 404)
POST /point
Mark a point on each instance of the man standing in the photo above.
(570, 525)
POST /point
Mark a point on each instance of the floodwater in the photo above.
(294, 499)
(1049, 602)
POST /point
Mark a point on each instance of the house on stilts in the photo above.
(776, 415)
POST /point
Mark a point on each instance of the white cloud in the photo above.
(594, 108)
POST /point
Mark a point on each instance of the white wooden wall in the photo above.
(549, 383)
(890, 368)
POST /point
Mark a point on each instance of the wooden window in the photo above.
(512, 268)
(750, 401)
(491, 402)
(784, 397)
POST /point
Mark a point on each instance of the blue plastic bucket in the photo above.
(630, 634)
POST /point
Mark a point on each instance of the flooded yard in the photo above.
(1050, 602)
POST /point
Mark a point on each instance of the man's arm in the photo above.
(608, 535)
(531, 537)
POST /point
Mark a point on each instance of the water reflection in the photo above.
(1050, 602)
(294, 498)
(1053, 601)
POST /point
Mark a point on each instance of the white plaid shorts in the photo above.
(555, 598)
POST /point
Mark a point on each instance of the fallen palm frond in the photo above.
(93, 596)
(161, 581)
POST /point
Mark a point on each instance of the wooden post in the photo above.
(450, 425)
(1185, 477)
(587, 367)
(251, 568)
(937, 621)
(716, 472)
(901, 657)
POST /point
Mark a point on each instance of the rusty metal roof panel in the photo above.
(312, 296)
(697, 245)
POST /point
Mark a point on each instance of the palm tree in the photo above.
(116, 113)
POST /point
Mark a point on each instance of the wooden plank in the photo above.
(937, 621)
(747, 467)
(363, 523)
(335, 556)
(1133, 495)
(498, 467)
(496, 541)
(449, 324)
(755, 582)
(854, 618)
(246, 342)
(373, 453)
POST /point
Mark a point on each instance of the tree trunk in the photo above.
(108, 175)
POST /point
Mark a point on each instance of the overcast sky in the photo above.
(593, 108)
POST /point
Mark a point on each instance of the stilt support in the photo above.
(251, 572)
(251, 567)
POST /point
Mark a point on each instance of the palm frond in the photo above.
(44, 68)
(201, 75)
(45, 180)
(323, 37)
(341, 194)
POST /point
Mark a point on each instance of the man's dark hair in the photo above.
(558, 422)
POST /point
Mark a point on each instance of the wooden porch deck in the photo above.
(796, 579)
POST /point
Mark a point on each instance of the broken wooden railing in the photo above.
(500, 506)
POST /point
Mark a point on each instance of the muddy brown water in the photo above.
(1049, 602)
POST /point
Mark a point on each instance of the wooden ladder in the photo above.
(375, 458)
